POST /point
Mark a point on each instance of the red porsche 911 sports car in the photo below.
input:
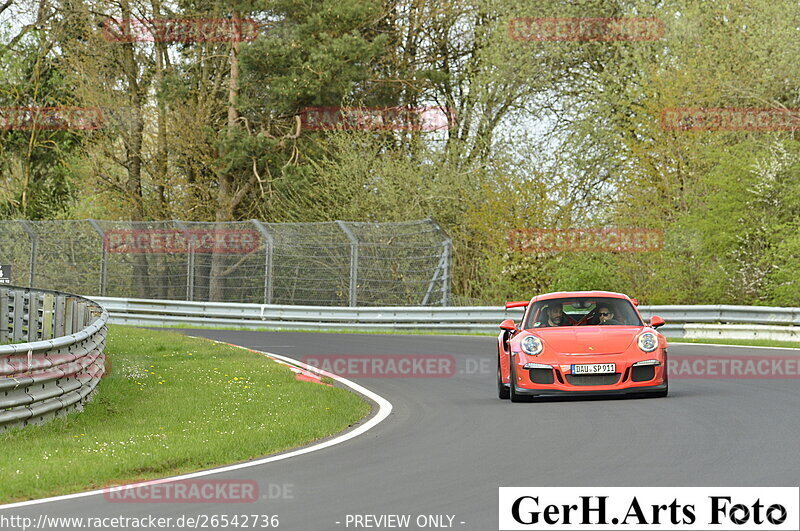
(580, 343)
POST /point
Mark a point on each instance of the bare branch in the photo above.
(241, 192)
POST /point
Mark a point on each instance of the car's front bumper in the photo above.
(554, 376)
(639, 389)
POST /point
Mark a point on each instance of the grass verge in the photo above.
(743, 342)
(169, 405)
(384, 332)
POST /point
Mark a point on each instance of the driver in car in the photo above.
(556, 316)
(606, 316)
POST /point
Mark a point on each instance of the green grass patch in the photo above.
(288, 328)
(744, 342)
(172, 404)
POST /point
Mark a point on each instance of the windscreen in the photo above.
(582, 311)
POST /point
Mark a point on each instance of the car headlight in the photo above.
(648, 342)
(532, 346)
(537, 366)
(647, 363)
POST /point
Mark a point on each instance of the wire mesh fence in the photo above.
(329, 264)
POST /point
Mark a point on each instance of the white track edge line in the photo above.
(384, 409)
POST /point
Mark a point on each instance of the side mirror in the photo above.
(509, 325)
(635, 302)
(656, 321)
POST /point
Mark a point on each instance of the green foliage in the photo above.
(35, 164)
(544, 135)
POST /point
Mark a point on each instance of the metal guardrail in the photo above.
(719, 321)
(56, 357)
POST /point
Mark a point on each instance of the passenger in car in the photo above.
(605, 316)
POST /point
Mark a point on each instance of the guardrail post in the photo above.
(103, 266)
(17, 317)
(48, 316)
(269, 247)
(58, 316)
(352, 296)
(69, 312)
(26, 226)
(33, 316)
(3, 315)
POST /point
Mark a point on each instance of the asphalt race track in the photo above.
(450, 442)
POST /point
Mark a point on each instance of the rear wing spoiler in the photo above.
(517, 304)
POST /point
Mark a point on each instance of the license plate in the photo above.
(594, 368)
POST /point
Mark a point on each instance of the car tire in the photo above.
(502, 391)
(662, 394)
(512, 393)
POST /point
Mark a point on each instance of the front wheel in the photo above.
(665, 392)
(511, 387)
(502, 390)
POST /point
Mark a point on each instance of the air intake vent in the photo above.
(542, 376)
(593, 379)
(642, 374)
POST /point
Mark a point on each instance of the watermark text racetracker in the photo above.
(180, 30)
(731, 366)
(629, 240)
(426, 118)
(198, 491)
(58, 366)
(586, 29)
(170, 241)
(645, 508)
(50, 118)
(730, 119)
(399, 365)
(384, 366)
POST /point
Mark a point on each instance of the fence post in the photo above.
(103, 266)
(26, 226)
(447, 256)
(352, 297)
(448, 245)
(436, 272)
(189, 260)
(269, 247)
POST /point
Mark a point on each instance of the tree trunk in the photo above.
(225, 199)
(133, 161)
(162, 152)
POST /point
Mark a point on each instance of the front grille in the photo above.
(542, 376)
(642, 374)
(593, 379)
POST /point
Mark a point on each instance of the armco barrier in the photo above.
(56, 357)
(710, 322)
